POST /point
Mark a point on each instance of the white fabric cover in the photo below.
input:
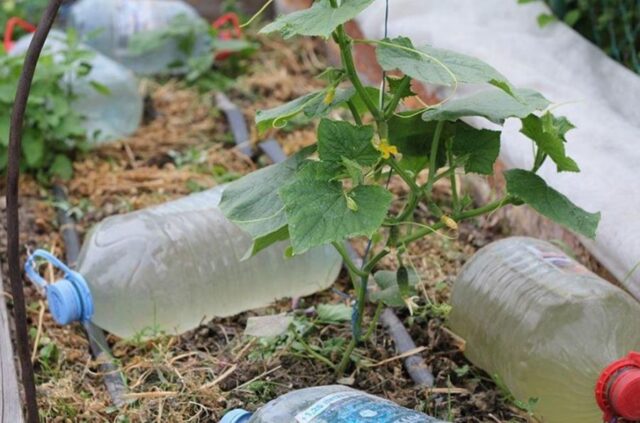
(601, 97)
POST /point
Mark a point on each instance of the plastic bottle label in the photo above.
(559, 261)
(351, 407)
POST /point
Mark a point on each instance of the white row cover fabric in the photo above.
(600, 96)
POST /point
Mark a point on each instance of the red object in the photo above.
(10, 29)
(618, 389)
(227, 34)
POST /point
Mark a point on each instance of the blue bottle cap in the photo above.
(69, 298)
(236, 416)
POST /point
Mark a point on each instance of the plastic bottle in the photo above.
(170, 267)
(329, 404)
(109, 26)
(108, 116)
(550, 329)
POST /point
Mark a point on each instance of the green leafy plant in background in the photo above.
(337, 189)
(30, 10)
(53, 130)
(203, 71)
(613, 25)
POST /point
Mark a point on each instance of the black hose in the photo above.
(113, 378)
(13, 219)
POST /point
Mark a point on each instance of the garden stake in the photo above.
(13, 220)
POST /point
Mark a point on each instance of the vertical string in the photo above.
(354, 317)
(383, 87)
(383, 84)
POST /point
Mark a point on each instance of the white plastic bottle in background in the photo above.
(109, 116)
(178, 264)
(109, 25)
(331, 404)
(550, 329)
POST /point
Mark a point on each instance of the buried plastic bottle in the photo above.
(324, 404)
(551, 331)
(107, 116)
(169, 268)
(109, 26)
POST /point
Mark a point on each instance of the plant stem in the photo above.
(347, 260)
(357, 325)
(313, 353)
(344, 42)
(397, 96)
(346, 357)
(488, 208)
(433, 156)
(414, 192)
(354, 112)
(459, 217)
(374, 322)
(454, 185)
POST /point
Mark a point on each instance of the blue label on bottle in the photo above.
(356, 407)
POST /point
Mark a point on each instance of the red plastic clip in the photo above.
(618, 389)
(227, 34)
(10, 29)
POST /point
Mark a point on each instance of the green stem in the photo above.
(347, 260)
(454, 183)
(349, 66)
(362, 296)
(354, 112)
(414, 192)
(397, 96)
(433, 156)
(346, 357)
(459, 217)
(508, 199)
(313, 353)
(374, 322)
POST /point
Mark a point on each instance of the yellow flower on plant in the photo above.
(387, 150)
(449, 222)
(330, 96)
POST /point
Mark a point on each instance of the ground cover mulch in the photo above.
(197, 376)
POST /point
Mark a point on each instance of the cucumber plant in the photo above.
(337, 189)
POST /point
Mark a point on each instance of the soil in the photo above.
(199, 375)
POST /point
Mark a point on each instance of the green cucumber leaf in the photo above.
(252, 202)
(482, 147)
(437, 66)
(339, 139)
(550, 139)
(319, 20)
(494, 105)
(319, 211)
(533, 190)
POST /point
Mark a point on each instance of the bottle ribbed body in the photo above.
(173, 266)
(110, 25)
(335, 404)
(543, 324)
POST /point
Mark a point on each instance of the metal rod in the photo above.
(113, 379)
(13, 219)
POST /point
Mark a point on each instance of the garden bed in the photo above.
(184, 148)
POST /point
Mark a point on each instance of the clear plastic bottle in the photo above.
(550, 329)
(173, 266)
(329, 404)
(108, 116)
(109, 25)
